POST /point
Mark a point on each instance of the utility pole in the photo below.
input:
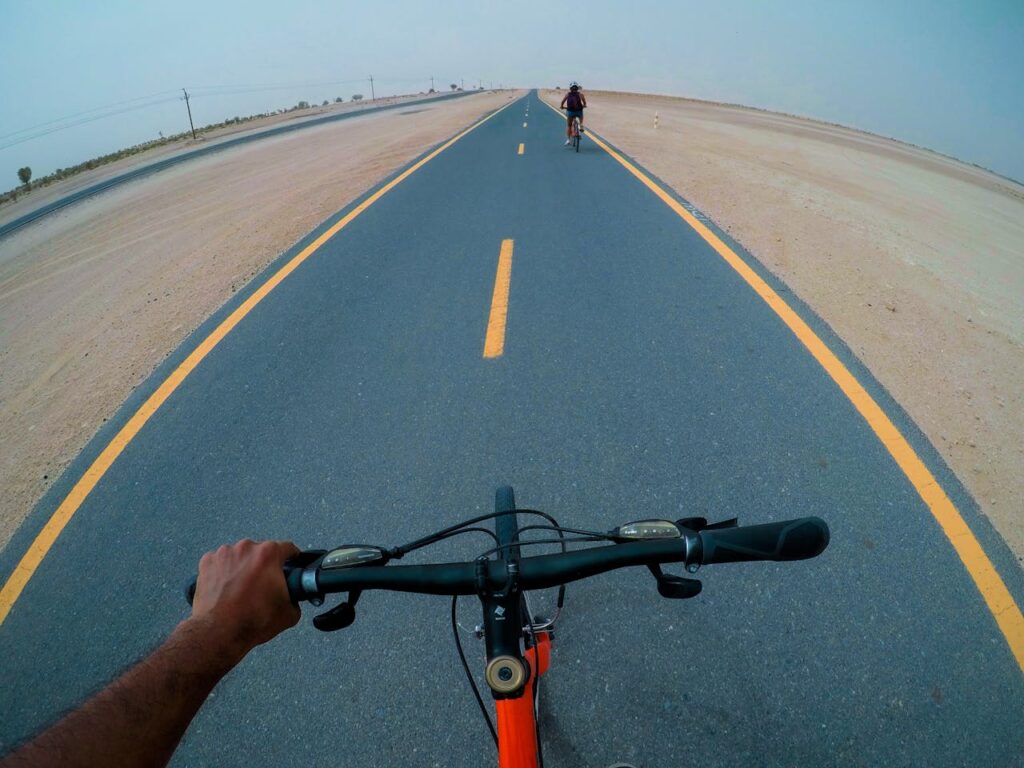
(462, 83)
(431, 82)
(189, 114)
(373, 96)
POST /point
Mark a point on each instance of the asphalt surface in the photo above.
(640, 378)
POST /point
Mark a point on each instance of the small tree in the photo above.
(324, 104)
(25, 174)
(357, 97)
(338, 100)
(454, 86)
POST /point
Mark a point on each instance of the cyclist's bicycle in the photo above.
(574, 133)
(517, 642)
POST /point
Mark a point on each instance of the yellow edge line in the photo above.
(494, 341)
(62, 516)
(993, 590)
(522, 148)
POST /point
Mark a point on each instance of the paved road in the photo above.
(639, 377)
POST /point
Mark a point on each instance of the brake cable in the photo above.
(453, 530)
(469, 674)
(468, 526)
(536, 674)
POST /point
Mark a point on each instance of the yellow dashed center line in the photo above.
(522, 148)
(494, 342)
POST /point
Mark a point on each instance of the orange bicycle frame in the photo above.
(517, 726)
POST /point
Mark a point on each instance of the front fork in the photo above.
(517, 727)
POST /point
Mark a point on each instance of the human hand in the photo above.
(241, 597)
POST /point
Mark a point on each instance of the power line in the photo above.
(218, 90)
(84, 120)
(200, 91)
(86, 116)
(87, 112)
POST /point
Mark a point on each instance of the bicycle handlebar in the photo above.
(470, 578)
(788, 540)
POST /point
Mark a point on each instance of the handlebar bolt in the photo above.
(505, 674)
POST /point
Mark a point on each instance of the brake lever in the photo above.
(675, 587)
(349, 556)
(340, 616)
(678, 587)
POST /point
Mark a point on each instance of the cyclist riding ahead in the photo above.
(574, 102)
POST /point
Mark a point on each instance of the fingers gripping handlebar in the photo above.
(293, 565)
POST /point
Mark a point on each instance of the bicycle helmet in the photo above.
(574, 86)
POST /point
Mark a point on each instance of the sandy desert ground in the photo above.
(40, 196)
(93, 297)
(914, 259)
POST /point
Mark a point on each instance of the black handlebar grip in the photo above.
(788, 540)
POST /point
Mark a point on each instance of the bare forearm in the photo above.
(140, 718)
(241, 601)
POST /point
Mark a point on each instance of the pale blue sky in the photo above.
(945, 74)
